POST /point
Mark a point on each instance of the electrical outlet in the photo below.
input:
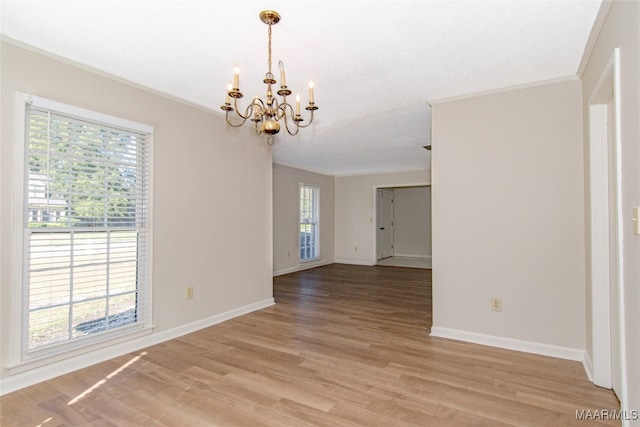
(496, 304)
(189, 293)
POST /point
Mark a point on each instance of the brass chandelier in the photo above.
(267, 114)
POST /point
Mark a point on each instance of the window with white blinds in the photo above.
(86, 267)
(309, 223)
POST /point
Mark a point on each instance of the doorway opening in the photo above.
(403, 226)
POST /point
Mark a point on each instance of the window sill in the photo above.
(49, 356)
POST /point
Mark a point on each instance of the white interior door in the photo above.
(384, 215)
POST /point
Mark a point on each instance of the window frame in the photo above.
(21, 358)
(316, 207)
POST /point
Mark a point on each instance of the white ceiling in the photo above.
(376, 64)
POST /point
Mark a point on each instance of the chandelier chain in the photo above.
(269, 48)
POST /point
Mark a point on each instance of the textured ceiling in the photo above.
(376, 64)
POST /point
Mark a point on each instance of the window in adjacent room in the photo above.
(309, 222)
(86, 227)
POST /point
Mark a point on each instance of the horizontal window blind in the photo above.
(87, 227)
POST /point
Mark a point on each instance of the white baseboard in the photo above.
(54, 369)
(302, 266)
(425, 257)
(355, 261)
(510, 343)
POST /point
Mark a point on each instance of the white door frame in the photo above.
(607, 87)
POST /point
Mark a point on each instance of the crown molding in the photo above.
(103, 74)
(601, 17)
(505, 90)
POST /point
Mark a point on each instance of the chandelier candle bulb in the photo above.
(236, 77)
(229, 88)
(311, 91)
(283, 79)
(298, 104)
(256, 107)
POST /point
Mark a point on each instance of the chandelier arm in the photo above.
(283, 107)
(258, 102)
(226, 117)
(246, 114)
(310, 121)
(286, 120)
(286, 126)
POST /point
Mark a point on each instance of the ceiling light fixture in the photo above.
(267, 114)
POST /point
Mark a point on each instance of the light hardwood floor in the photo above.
(343, 346)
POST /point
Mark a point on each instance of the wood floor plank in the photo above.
(343, 346)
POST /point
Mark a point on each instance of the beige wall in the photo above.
(286, 202)
(355, 213)
(622, 29)
(412, 221)
(508, 215)
(212, 226)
